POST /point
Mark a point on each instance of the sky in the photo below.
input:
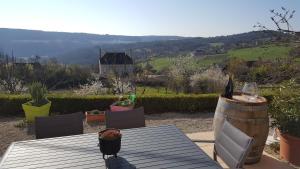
(204, 18)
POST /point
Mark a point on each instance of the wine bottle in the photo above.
(229, 89)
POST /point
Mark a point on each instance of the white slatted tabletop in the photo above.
(148, 147)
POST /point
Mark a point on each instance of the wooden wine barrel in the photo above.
(250, 117)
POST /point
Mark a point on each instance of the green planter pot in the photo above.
(33, 111)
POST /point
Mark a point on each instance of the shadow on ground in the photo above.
(269, 162)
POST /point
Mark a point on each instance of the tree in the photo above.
(281, 20)
(179, 75)
(14, 76)
(9, 78)
(149, 68)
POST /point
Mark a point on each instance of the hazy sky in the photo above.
(143, 17)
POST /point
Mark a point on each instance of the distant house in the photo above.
(118, 63)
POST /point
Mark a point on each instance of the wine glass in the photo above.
(250, 89)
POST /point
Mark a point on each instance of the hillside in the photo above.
(162, 63)
(264, 52)
(25, 43)
(83, 48)
(143, 50)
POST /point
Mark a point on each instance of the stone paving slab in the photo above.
(205, 141)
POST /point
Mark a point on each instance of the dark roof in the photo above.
(115, 58)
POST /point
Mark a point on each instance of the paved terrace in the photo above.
(205, 141)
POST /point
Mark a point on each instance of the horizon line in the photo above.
(56, 31)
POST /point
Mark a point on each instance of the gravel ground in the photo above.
(14, 129)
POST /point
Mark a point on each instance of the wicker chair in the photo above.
(232, 145)
(60, 125)
(125, 119)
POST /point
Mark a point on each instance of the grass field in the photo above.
(211, 59)
(264, 52)
(194, 63)
(162, 63)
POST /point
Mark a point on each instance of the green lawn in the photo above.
(149, 91)
(153, 91)
(264, 52)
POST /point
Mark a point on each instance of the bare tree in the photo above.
(9, 80)
(281, 20)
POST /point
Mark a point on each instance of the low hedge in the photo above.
(178, 103)
(12, 104)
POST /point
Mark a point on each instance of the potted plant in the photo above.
(39, 105)
(285, 112)
(110, 142)
(94, 115)
(123, 104)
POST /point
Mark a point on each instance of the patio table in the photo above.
(148, 147)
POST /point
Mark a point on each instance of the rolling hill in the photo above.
(171, 48)
(25, 43)
(83, 48)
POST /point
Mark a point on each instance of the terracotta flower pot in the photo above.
(91, 116)
(290, 148)
(114, 107)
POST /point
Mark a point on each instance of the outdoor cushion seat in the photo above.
(125, 119)
(60, 125)
(232, 145)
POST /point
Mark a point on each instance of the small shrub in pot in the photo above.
(285, 113)
(39, 105)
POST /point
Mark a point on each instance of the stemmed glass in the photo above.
(250, 89)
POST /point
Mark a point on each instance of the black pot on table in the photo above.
(110, 147)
